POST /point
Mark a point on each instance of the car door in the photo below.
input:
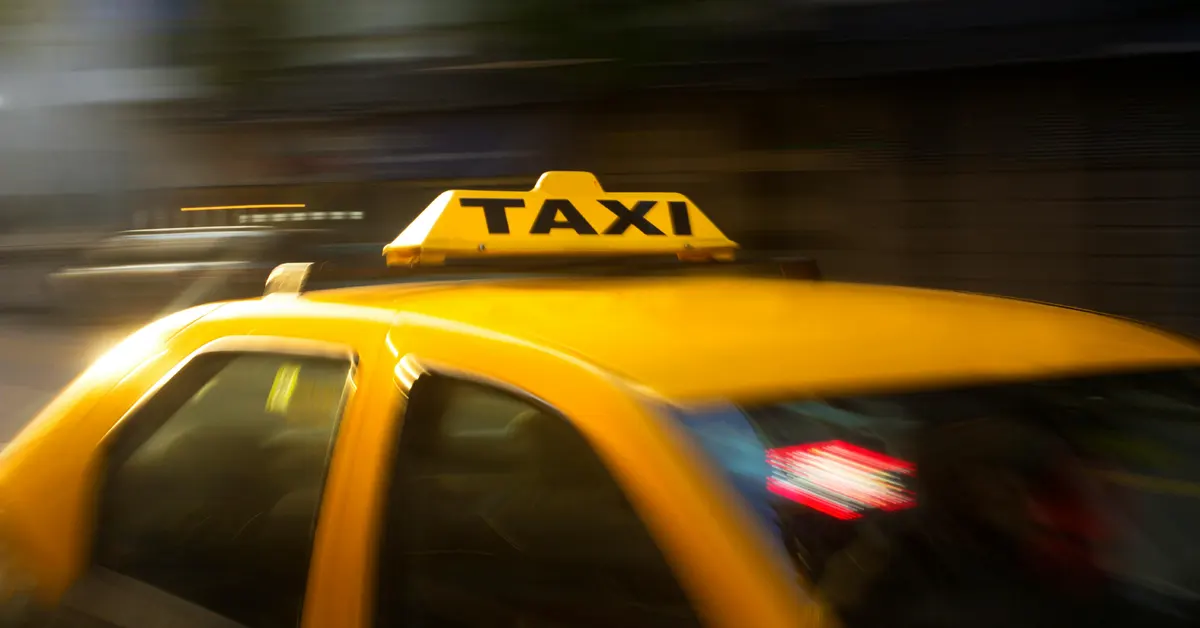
(560, 501)
(500, 513)
(213, 479)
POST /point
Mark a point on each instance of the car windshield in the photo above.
(1058, 502)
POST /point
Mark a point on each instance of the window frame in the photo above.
(279, 345)
(410, 370)
(95, 576)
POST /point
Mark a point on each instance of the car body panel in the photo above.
(48, 474)
(778, 336)
(603, 352)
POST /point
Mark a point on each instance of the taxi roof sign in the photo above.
(566, 213)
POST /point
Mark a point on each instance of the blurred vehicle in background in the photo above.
(157, 271)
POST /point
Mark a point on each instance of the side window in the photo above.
(500, 514)
(213, 487)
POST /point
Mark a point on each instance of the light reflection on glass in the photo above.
(839, 479)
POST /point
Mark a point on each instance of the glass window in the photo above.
(1065, 502)
(214, 485)
(500, 514)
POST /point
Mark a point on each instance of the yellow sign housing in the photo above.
(565, 214)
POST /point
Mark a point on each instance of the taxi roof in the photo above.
(717, 337)
(699, 338)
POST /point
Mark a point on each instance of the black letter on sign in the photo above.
(627, 218)
(547, 218)
(681, 222)
(494, 211)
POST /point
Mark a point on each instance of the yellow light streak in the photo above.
(220, 207)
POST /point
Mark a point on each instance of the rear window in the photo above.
(1069, 501)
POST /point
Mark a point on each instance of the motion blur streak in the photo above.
(839, 479)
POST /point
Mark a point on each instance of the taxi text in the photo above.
(562, 214)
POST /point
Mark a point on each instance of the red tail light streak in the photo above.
(840, 479)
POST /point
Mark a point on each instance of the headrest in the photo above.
(557, 453)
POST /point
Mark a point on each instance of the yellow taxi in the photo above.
(548, 447)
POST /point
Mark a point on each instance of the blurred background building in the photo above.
(1048, 150)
